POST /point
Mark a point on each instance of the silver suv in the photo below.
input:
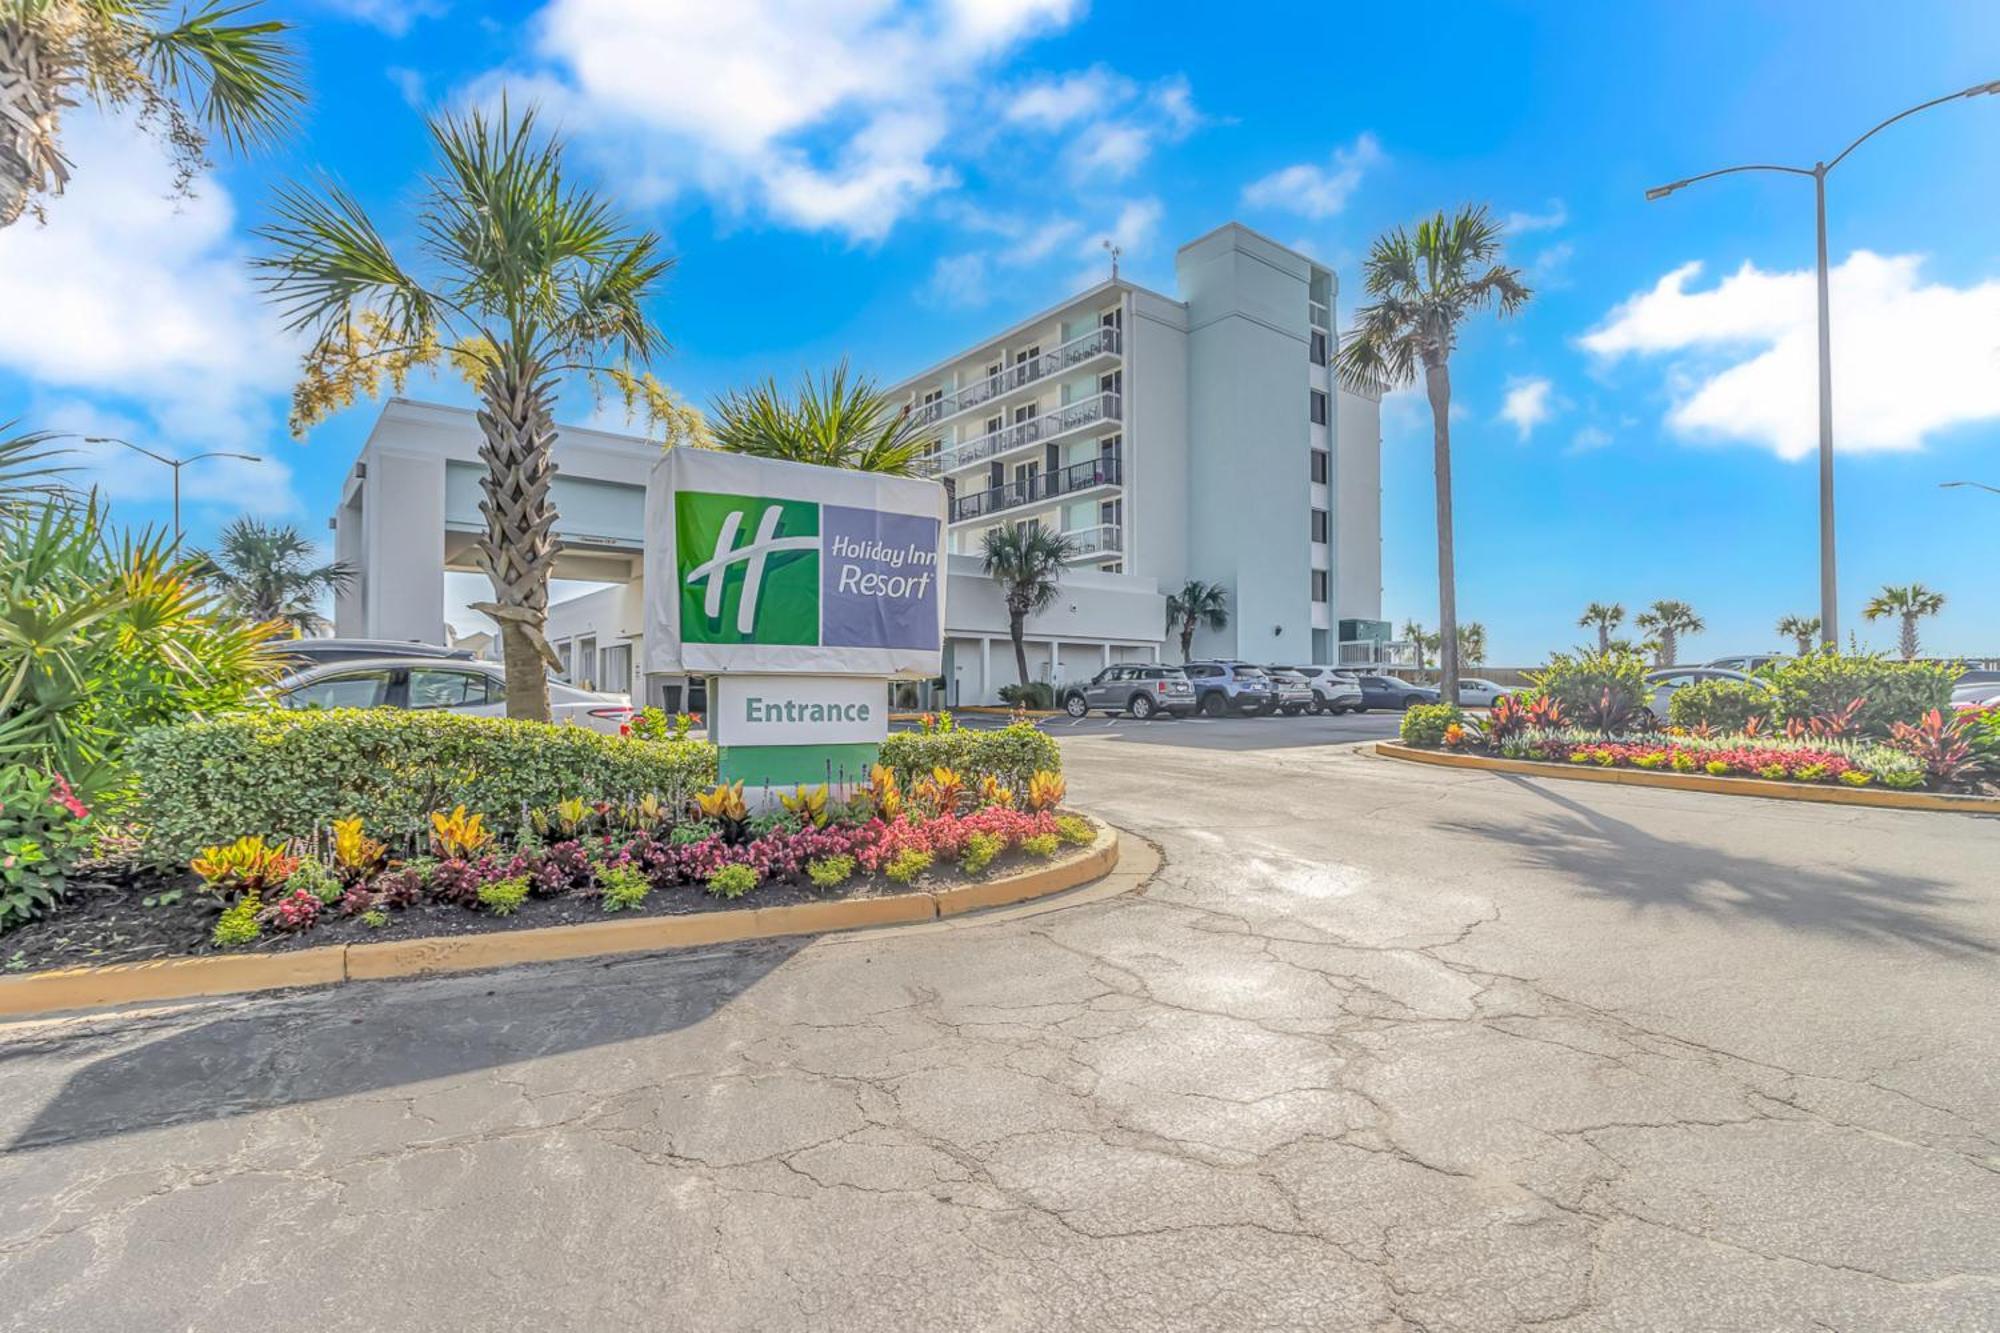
(1142, 689)
(1294, 691)
(1231, 687)
(1333, 691)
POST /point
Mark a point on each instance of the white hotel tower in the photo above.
(1202, 438)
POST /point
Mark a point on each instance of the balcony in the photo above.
(1042, 486)
(1106, 541)
(1097, 409)
(1100, 341)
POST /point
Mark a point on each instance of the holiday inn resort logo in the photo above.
(762, 571)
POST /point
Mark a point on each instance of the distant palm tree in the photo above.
(194, 76)
(1027, 562)
(1912, 602)
(1801, 630)
(1420, 642)
(832, 421)
(1195, 606)
(1472, 643)
(1424, 287)
(1668, 620)
(1603, 617)
(269, 573)
(530, 278)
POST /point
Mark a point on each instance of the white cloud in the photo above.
(959, 280)
(410, 83)
(1053, 103)
(392, 16)
(1555, 215)
(1133, 231)
(1589, 439)
(829, 116)
(1528, 403)
(1113, 149)
(1313, 190)
(1550, 267)
(1910, 358)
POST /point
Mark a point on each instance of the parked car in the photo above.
(1976, 694)
(1143, 690)
(1748, 662)
(1389, 692)
(1230, 687)
(1478, 692)
(462, 686)
(1667, 680)
(1294, 690)
(316, 652)
(1333, 691)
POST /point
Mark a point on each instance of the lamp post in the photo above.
(1947, 485)
(175, 463)
(1829, 609)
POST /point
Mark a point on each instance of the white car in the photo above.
(1668, 680)
(1476, 692)
(477, 688)
(1334, 691)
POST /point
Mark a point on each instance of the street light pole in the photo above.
(1829, 600)
(175, 463)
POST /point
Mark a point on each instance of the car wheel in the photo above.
(1412, 700)
(1142, 706)
(1076, 706)
(1315, 707)
(1213, 704)
(1360, 708)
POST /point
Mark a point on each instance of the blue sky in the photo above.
(884, 181)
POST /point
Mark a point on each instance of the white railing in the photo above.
(1098, 407)
(1104, 539)
(1099, 341)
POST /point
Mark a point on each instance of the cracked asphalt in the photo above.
(1380, 1047)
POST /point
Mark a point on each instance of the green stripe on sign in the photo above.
(790, 765)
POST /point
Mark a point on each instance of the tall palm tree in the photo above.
(1912, 602)
(1425, 285)
(1027, 562)
(1602, 617)
(530, 278)
(833, 421)
(1801, 630)
(269, 573)
(1419, 641)
(1472, 643)
(192, 76)
(1668, 620)
(1197, 605)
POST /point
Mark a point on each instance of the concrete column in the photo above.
(1107, 654)
(403, 537)
(986, 694)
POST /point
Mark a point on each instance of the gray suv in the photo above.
(1142, 689)
(1231, 687)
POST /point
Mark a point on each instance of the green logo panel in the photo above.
(748, 567)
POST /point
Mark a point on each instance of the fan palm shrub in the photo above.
(527, 278)
(1667, 620)
(1027, 562)
(832, 421)
(1424, 285)
(193, 75)
(269, 572)
(1909, 604)
(1801, 630)
(1603, 617)
(1198, 605)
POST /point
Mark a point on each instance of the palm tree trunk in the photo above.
(1603, 638)
(518, 548)
(1909, 643)
(1437, 386)
(1670, 647)
(1187, 639)
(1016, 624)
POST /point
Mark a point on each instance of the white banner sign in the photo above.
(799, 710)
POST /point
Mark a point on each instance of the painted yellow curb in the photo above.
(1878, 798)
(185, 978)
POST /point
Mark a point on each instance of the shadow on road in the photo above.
(1606, 857)
(273, 1053)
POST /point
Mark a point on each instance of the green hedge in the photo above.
(1424, 724)
(1721, 705)
(1012, 754)
(286, 774)
(1597, 686)
(1891, 692)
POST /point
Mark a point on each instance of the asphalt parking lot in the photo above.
(1230, 733)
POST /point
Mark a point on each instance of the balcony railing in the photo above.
(1083, 412)
(1106, 471)
(1098, 342)
(1106, 539)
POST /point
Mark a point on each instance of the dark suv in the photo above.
(1142, 689)
(1231, 687)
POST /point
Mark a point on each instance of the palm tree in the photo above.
(1424, 287)
(1912, 602)
(832, 421)
(1472, 643)
(531, 278)
(199, 75)
(268, 573)
(1603, 617)
(1198, 604)
(1668, 620)
(1801, 630)
(1419, 641)
(1028, 564)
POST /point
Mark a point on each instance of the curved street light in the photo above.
(1828, 589)
(1947, 485)
(175, 463)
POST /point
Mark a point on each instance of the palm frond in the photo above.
(244, 78)
(328, 263)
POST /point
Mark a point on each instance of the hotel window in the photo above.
(1319, 466)
(1319, 585)
(1318, 408)
(935, 395)
(1318, 348)
(1319, 525)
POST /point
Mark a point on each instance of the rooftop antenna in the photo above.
(1114, 252)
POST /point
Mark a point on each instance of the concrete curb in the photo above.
(1877, 798)
(337, 964)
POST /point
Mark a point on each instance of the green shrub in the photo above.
(1597, 690)
(1011, 755)
(732, 881)
(238, 926)
(979, 851)
(1042, 845)
(1076, 830)
(374, 918)
(1035, 694)
(1821, 684)
(1982, 733)
(42, 837)
(503, 897)
(315, 878)
(1720, 705)
(1424, 724)
(830, 872)
(288, 773)
(624, 887)
(906, 865)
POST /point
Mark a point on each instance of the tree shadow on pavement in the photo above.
(266, 1052)
(1608, 858)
